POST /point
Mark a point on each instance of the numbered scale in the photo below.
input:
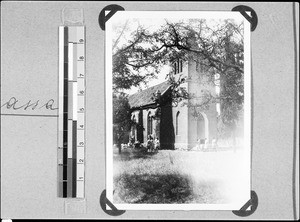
(71, 120)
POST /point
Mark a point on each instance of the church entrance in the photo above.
(202, 127)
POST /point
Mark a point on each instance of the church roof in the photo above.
(144, 97)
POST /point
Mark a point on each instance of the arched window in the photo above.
(202, 126)
(149, 123)
(133, 128)
(175, 68)
(178, 66)
(177, 120)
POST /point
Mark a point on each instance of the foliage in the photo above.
(151, 188)
(121, 118)
(217, 47)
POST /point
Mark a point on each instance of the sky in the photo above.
(151, 24)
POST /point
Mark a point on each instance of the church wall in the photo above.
(145, 123)
(190, 129)
(181, 138)
(167, 135)
(140, 127)
(135, 116)
(204, 126)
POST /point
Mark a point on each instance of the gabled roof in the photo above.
(144, 97)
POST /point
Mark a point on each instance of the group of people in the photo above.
(152, 145)
(203, 144)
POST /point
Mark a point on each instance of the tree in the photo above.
(121, 119)
(217, 47)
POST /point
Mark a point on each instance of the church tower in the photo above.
(192, 120)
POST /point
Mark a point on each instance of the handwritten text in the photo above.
(14, 104)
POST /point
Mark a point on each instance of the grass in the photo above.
(173, 177)
(150, 188)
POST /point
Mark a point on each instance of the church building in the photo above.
(177, 126)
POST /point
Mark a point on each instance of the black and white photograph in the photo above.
(178, 110)
(149, 110)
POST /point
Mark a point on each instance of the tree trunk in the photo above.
(119, 147)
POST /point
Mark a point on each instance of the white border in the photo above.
(121, 15)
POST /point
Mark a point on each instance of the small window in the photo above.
(178, 66)
(150, 124)
(175, 67)
(181, 65)
(177, 123)
(133, 128)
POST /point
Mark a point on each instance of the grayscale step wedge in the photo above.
(71, 120)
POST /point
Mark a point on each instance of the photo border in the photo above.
(109, 110)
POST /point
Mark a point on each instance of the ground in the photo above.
(172, 176)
